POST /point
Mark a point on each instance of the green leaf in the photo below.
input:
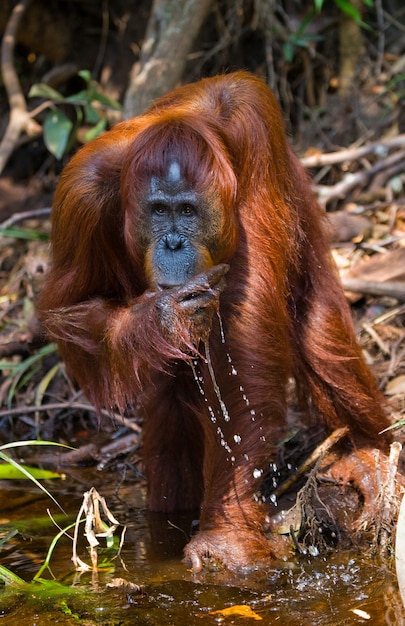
(32, 442)
(8, 366)
(90, 114)
(318, 4)
(45, 382)
(28, 475)
(349, 9)
(57, 129)
(25, 366)
(96, 130)
(23, 233)
(9, 472)
(85, 74)
(80, 98)
(41, 90)
(108, 102)
(288, 52)
(8, 578)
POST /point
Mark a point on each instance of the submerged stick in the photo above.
(319, 451)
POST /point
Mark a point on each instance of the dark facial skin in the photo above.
(175, 228)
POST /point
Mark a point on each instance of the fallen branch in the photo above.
(379, 148)
(20, 119)
(58, 406)
(25, 215)
(390, 289)
(88, 453)
(360, 179)
(319, 452)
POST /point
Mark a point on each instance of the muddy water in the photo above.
(334, 589)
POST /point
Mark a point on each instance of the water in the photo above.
(337, 588)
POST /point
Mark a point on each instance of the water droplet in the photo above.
(198, 378)
(257, 473)
(217, 390)
(223, 440)
(221, 327)
(237, 438)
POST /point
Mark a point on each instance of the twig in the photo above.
(391, 289)
(25, 215)
(70, 405)
(376, 337)
(319, 451)
(350, 181)
(379, 148)
(20, 120)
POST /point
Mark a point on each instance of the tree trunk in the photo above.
(350, 48)
(172, 29)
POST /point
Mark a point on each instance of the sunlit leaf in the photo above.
(103, 99)
(349, 9)
(80, 98)
(9, 472)
(57, 128)
(41, 90)
(23, 233)
(8, 578)
(238, 609)
(85, 74)
(91, 114)
(32, 442)
(96, 130)
(27, 474)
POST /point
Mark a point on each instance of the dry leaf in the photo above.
(238, 609)
(396, 385)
